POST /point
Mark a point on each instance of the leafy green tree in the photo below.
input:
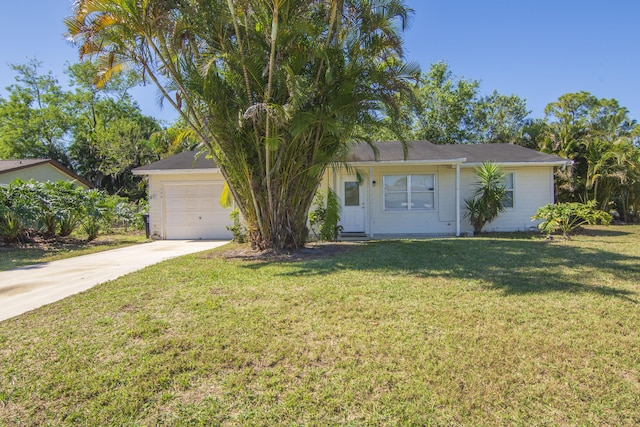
(444, 106)
(498, 118)
(487, 201)
(110, 135)
(532, 133)
(174, 139)
(274, 89)
(35, 120)
(445, 109)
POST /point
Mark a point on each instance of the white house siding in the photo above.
(158, 185)
(440, 220)
(533, 187)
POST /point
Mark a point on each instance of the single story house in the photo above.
(41, 170)
(421, 194)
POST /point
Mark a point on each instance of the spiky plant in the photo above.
(487, 201)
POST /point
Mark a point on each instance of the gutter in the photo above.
(517, 164)
(174, 171)
(457, 161)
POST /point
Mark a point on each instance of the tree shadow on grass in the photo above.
(602, 233)
(515, 266)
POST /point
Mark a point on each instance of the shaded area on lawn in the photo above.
(380, 333)
(16, 256)
(517, 266)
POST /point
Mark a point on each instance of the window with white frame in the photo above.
(409, 192)
(508, 182)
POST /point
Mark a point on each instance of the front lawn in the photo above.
(20, 255)
(496, 330)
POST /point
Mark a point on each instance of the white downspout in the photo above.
(370, 207)
(458, 200)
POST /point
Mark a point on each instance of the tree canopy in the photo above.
(99, 132)
(603, 142)
(446, 109)
(275, 90)
(36, 118)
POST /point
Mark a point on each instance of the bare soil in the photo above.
(314, 250)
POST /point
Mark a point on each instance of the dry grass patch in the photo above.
(498, 330)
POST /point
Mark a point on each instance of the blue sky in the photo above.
(536, 49)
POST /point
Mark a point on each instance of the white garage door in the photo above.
(193, 211)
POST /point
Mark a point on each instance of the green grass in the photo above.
(496, 330)
(13, 257)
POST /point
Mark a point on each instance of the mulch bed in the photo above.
(314, 250)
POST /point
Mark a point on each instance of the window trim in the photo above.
(512, 190)
(408, 192)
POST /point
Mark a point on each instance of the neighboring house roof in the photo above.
(7, 166)
(467, 154)
(187, 161)
(389, 152)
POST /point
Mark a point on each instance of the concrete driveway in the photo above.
(33, 286)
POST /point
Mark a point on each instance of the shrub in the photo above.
(122, 214)
(59, 208)
(69, 202)
(10, 227)
(325, 217)
(96, 212)
(567, 217)
(238, 230)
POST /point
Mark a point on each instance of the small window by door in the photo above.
(351, 193)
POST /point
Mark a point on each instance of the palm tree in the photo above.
(601, 139)
(274, 89)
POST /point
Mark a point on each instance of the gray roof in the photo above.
(11, 165)
(418, 151)
(186, 160)
(471, 153)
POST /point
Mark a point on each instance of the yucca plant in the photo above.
(487, 201)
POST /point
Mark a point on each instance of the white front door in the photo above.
(352, 218)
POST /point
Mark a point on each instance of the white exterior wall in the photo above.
(440, 220)
(533, 188)
(42, 173)
(156, 183)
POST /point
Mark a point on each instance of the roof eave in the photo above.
(175, 171)
(26, 165)
(458, 161)
(519, 164)
(74, 176)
